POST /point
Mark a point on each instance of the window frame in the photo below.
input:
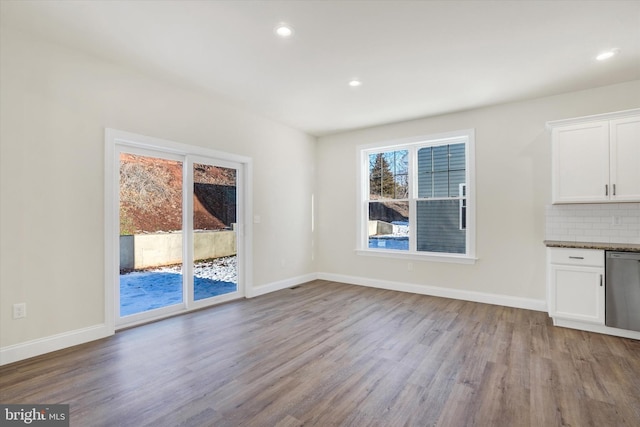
(413, 144)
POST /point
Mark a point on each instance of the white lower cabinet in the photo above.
(576, 284)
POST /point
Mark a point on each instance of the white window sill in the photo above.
(430, 256)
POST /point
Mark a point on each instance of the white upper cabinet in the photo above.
(580, 158)
(625, 159)
(596, 159)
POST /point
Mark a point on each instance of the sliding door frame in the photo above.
(115, 141)
(167, 310)
(188, 241)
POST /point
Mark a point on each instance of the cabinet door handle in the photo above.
(614, 189)
(576, 257)
(601, 280)
(606, 189)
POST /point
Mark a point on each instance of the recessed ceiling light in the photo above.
(284, 30)
(355, 83)
(607, 54)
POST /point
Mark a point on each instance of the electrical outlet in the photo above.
(615, 220)
(19, 310)
(410, 266)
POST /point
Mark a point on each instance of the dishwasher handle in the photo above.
(624, 255)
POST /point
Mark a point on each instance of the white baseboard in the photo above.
(483, 297)
(601, 329)
(40, 346)
(25, 350)
(281, 284)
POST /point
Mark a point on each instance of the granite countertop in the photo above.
(592, 245)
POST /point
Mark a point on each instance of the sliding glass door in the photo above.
(179, 217)
(213, 229)
(150, 233)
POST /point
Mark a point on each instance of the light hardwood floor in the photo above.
(330, 354)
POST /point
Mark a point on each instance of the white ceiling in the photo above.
(415, 58)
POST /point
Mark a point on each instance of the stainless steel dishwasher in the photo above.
(622, 292)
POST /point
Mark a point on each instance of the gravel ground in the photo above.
(224, 269)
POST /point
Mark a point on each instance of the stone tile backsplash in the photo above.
(601, 223)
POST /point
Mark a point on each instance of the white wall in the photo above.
(54, 106)
(513, 185)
